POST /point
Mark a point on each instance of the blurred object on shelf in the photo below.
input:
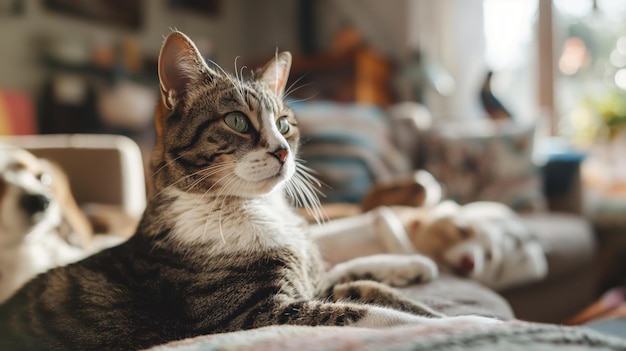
(12, 7)
(347, 39)
(127, 13)
(127, 106)
(418, 74)
(96, 84)
(103, 53)
(492, 105)
(205, 7)
(362, 76)
(67, 105)
(17, 113)
(131, 58)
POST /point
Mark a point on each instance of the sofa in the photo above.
(110, 169)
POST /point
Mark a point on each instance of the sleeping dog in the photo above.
(41, 226)
(485, 241)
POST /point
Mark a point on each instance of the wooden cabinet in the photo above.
(360, 76)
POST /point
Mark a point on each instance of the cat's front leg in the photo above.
(375, 293)
(391, 269)
(349, 314)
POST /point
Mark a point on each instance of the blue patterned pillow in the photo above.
(350, 146)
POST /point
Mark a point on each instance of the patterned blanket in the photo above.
(508, 336)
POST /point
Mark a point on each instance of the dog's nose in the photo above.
(34, 203)
(466, 264)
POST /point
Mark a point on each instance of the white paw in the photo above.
(390, 269)
(403, 270)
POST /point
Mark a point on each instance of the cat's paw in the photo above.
(379, 294)
(390, 269)
(403, 270)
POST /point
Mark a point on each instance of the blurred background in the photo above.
(381, 88)
(69, 66)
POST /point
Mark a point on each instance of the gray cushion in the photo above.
(455, 296)
(568, 240)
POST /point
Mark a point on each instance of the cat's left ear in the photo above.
(276, 72)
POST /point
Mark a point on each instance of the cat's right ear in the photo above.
(180, 66)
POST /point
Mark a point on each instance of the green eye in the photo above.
(237, 121)
(283, 125)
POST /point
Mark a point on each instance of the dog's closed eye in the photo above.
(464, 232)
(488, 255)
(44, 178)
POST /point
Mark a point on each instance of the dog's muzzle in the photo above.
(34, 203)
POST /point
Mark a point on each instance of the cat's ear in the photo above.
(276, 72)
(180, 66)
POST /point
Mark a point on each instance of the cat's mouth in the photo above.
(277, 176)
(271, 181)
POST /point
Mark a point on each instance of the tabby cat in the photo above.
(218, 248)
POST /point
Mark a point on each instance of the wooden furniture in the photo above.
(358, 76)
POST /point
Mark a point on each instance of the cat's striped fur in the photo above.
(218, 248)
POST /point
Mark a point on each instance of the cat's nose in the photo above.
(281, 154)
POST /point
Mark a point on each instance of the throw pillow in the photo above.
(486, 161)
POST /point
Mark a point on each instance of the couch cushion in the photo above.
(456, 296)
(509, 336)
(568, 241)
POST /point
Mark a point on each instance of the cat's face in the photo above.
(216, 134)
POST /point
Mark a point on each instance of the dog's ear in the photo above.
(412, 219)
(413, 227)
(75, 227)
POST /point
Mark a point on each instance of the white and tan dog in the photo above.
(41, 226)
(485, 241)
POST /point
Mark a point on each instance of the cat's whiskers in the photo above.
(214, 202)
(276, 79)
(290, 90)
(304, 99)
(237, 84)
(308, 199)
(169, 163)
(224, 164)
(241, 72)
(210, 171)
(293, 90)
(231, 184)
(303, 189)
(174, 184)
(239, 80)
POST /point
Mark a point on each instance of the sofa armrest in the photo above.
(103, 169)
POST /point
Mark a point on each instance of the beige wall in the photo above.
(383, 24)
(449, 30)
(19, 35)
(251, 29)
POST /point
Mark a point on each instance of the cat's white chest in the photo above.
(237, 225)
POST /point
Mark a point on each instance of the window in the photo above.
(590, 79)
